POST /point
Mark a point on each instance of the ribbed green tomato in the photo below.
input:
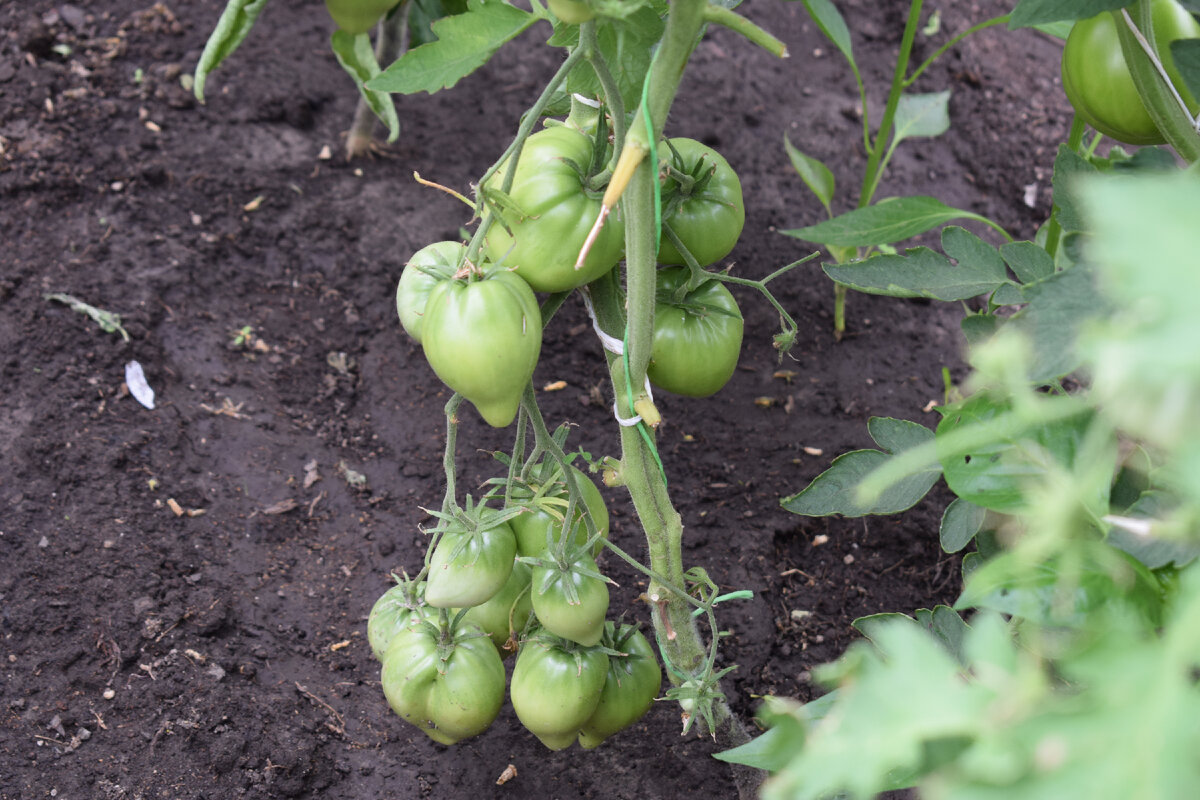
(569, 604)
(632, 684)
(471, 564)
(1097, 80)
(482, 338)
(504, 615)
(545, 518)
(556, 686)
(358, 16)
(541, 238)
(705, 210)
(400, 607)
(450, 692)
(696, 342)
(428, 267)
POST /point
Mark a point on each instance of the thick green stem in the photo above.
(879, 147)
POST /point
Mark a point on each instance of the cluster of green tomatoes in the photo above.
(505, 581)
(480, 325)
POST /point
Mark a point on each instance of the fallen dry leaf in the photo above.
(282, 507)
(509, 773)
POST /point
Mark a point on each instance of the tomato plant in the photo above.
(428, 267)
(358, 16)
(556, 686)
(630, 687)
(450, 684)
(482, 337)
(702, 202)
(472, 560)
(548, 212)
(697, 338)
(1097, 80)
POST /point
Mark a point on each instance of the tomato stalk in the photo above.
(389, 46)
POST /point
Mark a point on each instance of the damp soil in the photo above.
(183, 591)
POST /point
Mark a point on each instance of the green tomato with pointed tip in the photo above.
(541, 524)
(556, 686)
(569, 604)
(482, 336)
(358, 16)
(629, 690)
(471, 564)
(452, 691)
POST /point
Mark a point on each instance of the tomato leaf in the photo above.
(357, 57)
(922, 115)
(1034, 12)
(922, 272)
(1028, 261)
(1068, 167)
(834, 491)
(625, 45)
(818, 177)
(1058, 308)
(1186, 53)
(465, 43)
(960, 522)
(235, 23)
(890, 220)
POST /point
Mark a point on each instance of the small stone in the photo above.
(109, 694)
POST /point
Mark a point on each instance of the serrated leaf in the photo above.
(1034, 12)
(234, 24)
(626, 45)
(465, 43)
(922, 115)
(834, 491)
(818, 177)
(921, 272)
(891, 220)
(1058, 308)
(357, 58)
(1069, 166)
(960, 522)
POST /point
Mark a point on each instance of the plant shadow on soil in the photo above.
(223, 653)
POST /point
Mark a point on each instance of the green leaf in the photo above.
(922, 272)
(626, 45)
(891, 220)
(465, 43)
(1028, 261)
(1059, 30)
(772, 750)
(423, 13)
(235, 23)
(357, 57)
(943, 622)
(831, 23)
(978, 328)
(922, 115)
(1058, 309)
(818, 177)
(1034, 12)
(960, 522)
(1068, 167)
(1152, 551)
(834, 491)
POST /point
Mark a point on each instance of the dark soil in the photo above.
(222, 652)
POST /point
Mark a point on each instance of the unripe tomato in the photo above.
(580, 619)
(400, 607)
(428, 267)
(482, 338)
(572, 12)
(629, 690)
(505, 613)
(540, 524)
(471, 564)
(1097, 80)
(452, 691)
(358, 16)
(555, 215)
(696, 342)
(556, 687)
(708, 215)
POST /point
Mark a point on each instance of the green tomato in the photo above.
(1097, 81)
(400, 607)
(541, 237)
(572, 12)
(450, 692)
(471, 563)
(696, 342)
(428, 267)
(542, 521)
(632, 684)
(482, 338)
(569, 604)
(705, 210)
(556, 686)
(504, 615)
(358, 16)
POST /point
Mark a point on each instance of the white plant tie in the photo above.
(616, 347)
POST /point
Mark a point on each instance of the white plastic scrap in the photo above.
(135, 379)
